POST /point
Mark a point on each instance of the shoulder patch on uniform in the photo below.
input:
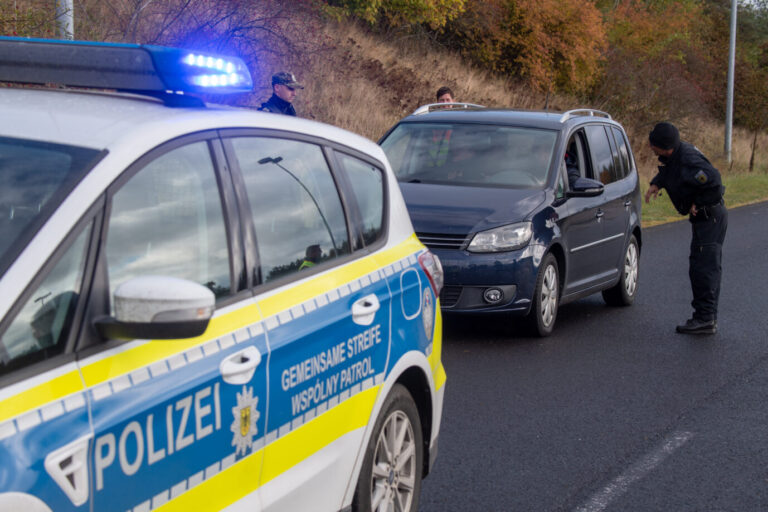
(701, 176)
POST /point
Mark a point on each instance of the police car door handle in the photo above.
(68, 466)
(364, 310)
(238, 368)
(599, 213)
(628, 203)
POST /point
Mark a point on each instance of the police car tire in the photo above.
(548, 280)
(399, 408)
(624, 292)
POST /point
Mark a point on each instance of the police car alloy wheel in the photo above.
(545, 298)
(623, 294)
(390, 478)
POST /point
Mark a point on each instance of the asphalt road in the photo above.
(615, 411)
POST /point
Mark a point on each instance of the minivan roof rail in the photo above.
(583, 112)
(445, 106)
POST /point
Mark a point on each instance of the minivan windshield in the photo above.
(470, 154)
(34, 178)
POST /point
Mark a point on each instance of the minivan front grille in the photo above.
(442, 241)
(449, 296)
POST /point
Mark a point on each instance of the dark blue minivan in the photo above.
(526, 210)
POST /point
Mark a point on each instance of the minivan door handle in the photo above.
(364, 310)
(238, 368)
(599, 213)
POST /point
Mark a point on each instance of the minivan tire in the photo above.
(624, 292)
(546, 298)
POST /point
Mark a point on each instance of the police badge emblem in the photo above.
(701, 177)
(245, 417)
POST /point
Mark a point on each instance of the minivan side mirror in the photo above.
(158, 308)
(585, 187)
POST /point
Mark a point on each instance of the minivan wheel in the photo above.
(546, 298)
(390, 478)
(623, 294)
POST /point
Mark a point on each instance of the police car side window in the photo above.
(40, 329)
(296, 208)
(367, 183)
(602, 157)
(167, 220)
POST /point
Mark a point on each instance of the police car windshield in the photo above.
(34, 178)
(470, 154)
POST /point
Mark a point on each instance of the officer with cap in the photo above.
(695, 189)
(284, 87)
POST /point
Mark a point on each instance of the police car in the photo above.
(203, 308)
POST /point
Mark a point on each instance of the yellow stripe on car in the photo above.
(37, 396)
(237, 481)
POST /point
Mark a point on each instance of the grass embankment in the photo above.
(740, 189)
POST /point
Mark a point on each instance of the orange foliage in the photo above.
(655, 29)
(561, 41)
(554, 45)
(659, 64)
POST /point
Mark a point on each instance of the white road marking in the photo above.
(638, 470)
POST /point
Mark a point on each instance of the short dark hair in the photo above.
(444, 90)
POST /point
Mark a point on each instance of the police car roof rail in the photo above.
(167, 73)
(583, 112)
(445, 106)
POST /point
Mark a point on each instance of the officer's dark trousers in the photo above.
(705, 267)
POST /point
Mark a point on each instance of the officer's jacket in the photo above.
(689, 179)
(278, 105)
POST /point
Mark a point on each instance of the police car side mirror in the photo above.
(585, 187)
(158, 308)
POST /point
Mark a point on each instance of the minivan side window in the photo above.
(621, 143)
(167, 220)
(367, 183)
(41, 328)
(602, 157)
(295, 205)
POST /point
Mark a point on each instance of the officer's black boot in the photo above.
(696, 326)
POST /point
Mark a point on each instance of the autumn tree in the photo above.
(657, 65)
(553, 45)
(394, 13)
(751, 103)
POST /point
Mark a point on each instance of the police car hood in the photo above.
(460, 210)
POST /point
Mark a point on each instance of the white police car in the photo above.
(202, 308)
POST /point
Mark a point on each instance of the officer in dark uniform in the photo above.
(284, 87)
(696, 189)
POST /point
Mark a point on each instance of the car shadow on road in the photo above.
(578, 316)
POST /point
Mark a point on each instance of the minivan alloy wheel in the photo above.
(549, 290)
(630, 270)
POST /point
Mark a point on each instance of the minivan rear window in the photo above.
(470, 154)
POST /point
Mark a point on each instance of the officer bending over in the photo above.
(695, 188)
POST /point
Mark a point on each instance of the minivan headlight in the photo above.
(504, 238)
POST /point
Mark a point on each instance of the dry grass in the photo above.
(367, 84)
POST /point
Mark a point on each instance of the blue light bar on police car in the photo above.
(148, 69)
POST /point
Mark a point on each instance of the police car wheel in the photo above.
(390, 478)
(623, 294)
(546, 298)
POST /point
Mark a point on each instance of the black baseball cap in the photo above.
(664, 136)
